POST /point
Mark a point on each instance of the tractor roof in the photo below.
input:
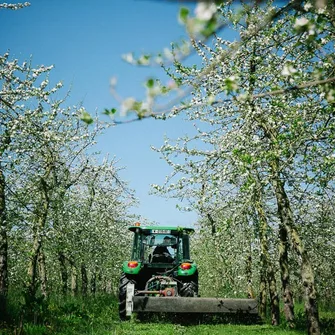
(162, 229)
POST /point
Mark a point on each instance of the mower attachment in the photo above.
(194, 305)
(173, 304)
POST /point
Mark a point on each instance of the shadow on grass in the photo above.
(327, 323)
(60, 314)
(326, 317)
(187, 319)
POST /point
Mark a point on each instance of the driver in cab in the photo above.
(161, 254)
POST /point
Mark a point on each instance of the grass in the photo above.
(99, 316)
(203, 329)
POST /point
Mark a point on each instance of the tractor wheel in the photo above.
(189, 289)
(124, 281)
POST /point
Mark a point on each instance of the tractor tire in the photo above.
(189, 289)
(124, 281)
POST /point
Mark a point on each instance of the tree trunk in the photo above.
(212, 224)
(84, 280)
(41, 214)
(285, 276)
(307, 274)
(43, 273)
(35, 252)
(33, 268)
(274, 298)
(264, 253)
(248, 272)
(94, 282)
(262, 292)
(287, 221)
(283, 237)
(74, 280)
(267, 272)
(3, 249)
(63, 272)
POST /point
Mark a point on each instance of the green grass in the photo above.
(99, 316)
(204, 329)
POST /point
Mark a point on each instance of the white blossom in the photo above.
(301, 22)
(288, 70)
(127, 105)
(129, 58)
(308, 6)
(205, 10)
(113, 81)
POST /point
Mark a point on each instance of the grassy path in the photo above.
(133, 328)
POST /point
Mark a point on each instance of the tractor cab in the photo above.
(164, 245)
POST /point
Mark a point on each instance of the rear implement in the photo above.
(194, 305)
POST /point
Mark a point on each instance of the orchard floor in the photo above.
(172, 329)
(99, 316)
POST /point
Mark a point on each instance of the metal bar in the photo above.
(194, 305)
(130, 299)
(151, 292)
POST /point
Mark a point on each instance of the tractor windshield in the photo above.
(160, 248)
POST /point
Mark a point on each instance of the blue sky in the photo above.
(84, 40)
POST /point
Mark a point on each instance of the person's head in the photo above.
(167, 240)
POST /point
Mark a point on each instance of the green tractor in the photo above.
(161, 277)
(160, 265)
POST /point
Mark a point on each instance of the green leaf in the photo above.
(86, 117)
(209, 28)
(183, 14)
(150, 83)
(164, 90)
(109, 111)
